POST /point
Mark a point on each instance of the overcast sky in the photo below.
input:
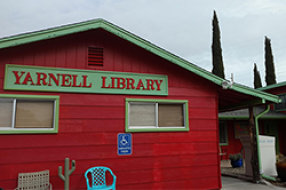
(183, 27)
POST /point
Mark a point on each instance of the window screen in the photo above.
(142, 115)
(6, 113)
(170, 115)
(282, 104)
(35, 114)
(222, 133)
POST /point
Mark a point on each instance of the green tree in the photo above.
(270, 76)
(218, 68)
(257, 78)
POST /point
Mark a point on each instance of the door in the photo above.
(271, 129)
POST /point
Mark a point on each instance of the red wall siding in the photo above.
(278, 90)
(282, 139)
(281, 123)
(234, 145)
(89, 123)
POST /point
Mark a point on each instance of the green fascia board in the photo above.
(272, 86)
(107, 26)
(100, 23)
(49, 33)
(256, 93)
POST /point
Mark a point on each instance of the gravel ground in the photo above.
(278, 183)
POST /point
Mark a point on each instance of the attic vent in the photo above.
(95, 56)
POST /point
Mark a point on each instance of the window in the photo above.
(282, 105)
(28, 114)
(143, 115)
(223, 134)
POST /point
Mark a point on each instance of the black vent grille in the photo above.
(95, 56)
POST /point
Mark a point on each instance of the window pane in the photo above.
(282, 104)
(142, 115)
(34, 114)
(6, 113)
(170, 115)
(222, 133)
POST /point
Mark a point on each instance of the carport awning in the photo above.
(244, 114)
(239, 97)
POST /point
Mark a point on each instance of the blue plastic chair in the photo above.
(98, 178)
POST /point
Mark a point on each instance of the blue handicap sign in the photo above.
(124, 141)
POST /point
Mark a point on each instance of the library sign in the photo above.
(33, 78)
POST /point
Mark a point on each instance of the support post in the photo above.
(253, 141)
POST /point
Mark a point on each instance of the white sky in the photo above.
(183, 27)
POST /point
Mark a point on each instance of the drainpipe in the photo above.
(258, 147)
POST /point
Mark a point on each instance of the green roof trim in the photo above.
(107, 26)
(255, 93)
(272, 86)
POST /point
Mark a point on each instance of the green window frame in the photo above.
(16, 101)
(223, 137)
(156, 104)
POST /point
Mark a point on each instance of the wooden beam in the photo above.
(253, 142)
(242, 105)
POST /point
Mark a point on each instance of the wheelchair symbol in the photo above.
(123, 141)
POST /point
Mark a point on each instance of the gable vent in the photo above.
(95, 56)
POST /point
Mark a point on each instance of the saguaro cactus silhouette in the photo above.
(68, 172)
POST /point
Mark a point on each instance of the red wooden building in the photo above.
(272, 123)
(67, 92)
(234, 123)
(277, 127)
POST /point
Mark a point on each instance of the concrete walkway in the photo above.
(230, 183)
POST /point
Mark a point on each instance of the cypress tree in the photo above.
(218, 68)
(270, 77)
(257, 79)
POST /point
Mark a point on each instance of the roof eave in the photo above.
(100, 23)
(272, 86)
(255, 93)
(49, 33)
